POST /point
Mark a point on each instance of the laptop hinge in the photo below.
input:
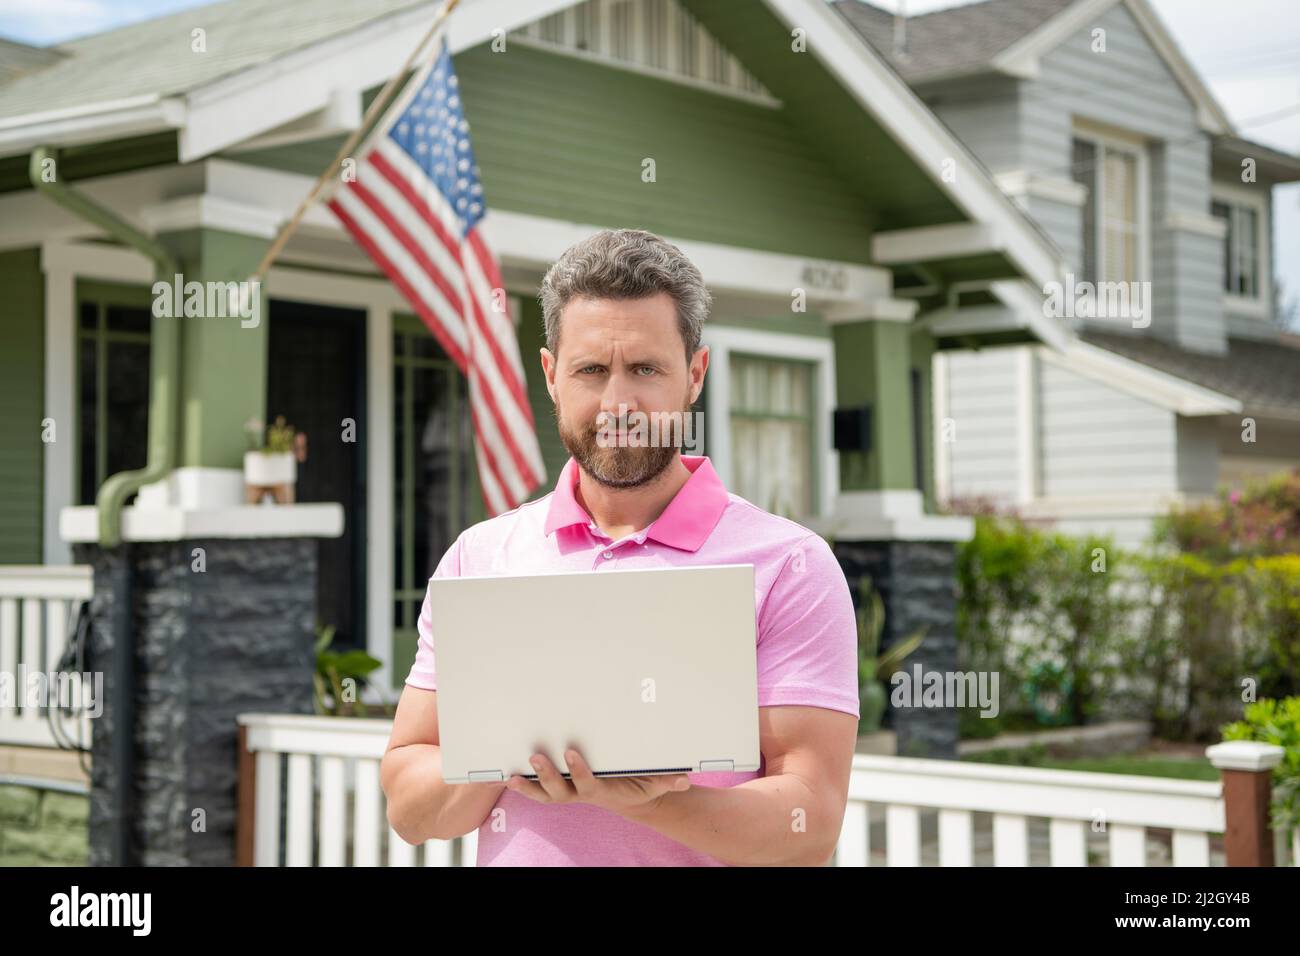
(486, 776)
(716, 766)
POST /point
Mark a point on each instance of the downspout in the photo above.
(164, 350)
(164, 373)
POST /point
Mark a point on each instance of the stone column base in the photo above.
(219, 626)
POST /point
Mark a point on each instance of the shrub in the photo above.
(1262, 519)
(1276, 722)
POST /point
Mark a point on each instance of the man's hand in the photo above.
(629, 797)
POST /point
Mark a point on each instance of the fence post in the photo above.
(1247, 768)
(245, 801)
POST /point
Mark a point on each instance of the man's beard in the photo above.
(616, 466)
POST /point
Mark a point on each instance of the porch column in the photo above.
(207, 607)
(223, 359)
(879, 524)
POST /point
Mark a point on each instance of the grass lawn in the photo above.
(1144, 763)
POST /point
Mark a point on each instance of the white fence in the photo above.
(324, 772)
(37, 605)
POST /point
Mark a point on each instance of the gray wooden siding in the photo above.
(1027, 125)
(1198, 455)
(981, 400)
(1095, 440)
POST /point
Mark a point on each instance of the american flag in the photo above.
(415, 205)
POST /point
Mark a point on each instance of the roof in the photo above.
(17, 58)
(1263, 375)
(239, 34)
(959, 40)
(1011, 37)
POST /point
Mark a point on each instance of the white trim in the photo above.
(883, 310)
(722, 340)
(695, 83)
(1022, 308)
(341, 114)
(1142, 381)
(883, 95)
(942, 451)
(90, 123)
(194, 487)
(930, 243)
(1192, 222)
(1023, 58)
(257, 100)
(211, 212)
(81, 523)
(63, 263)
(1020, 183)
(893, 515)
(1026, 425)
(535, 242)
(1260, 199)
(379, 300)
(1106, 139)
(1130, 505)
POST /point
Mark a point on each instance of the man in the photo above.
(623, 313)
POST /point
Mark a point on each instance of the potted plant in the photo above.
(875, 668)
(339, 678)
(273, 467)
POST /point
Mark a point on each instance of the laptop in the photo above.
(642, 671)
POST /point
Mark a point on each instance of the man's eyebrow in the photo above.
(582, 361)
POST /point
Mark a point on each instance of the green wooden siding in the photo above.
(532, 337)
(561, 137)
(22, 396)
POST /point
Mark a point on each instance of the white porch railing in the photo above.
(1117, 807)
(325, 773)
(37, 602)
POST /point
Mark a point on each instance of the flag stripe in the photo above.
(414, 207)
(398, 279)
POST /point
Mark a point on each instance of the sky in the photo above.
(1247, 52)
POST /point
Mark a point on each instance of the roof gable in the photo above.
(1011, 37)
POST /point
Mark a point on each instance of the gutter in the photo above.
(164, 350)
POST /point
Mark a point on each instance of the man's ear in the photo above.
(548, 369)
(699, 365)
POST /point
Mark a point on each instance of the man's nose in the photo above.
(620, 396)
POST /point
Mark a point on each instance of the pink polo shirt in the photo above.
(806, 643)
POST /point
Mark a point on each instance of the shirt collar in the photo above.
(686, 523)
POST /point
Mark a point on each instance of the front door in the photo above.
(316, 380)
(435, 484)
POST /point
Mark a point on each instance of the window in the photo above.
(435, 484)
(1114, 220)
(772, 433)
(660, 36)
(113, 389)
(1241, 245)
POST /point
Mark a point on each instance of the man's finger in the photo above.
(528, 788)
(584, 781)
(559, 789)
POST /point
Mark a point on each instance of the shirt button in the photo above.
(609, 554)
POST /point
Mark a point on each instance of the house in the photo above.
(788, 160)
(1087, 113)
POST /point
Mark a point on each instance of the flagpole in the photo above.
(380, 102)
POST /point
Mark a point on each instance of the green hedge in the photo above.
(1176, 639)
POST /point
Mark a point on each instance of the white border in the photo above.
(1259, 199)
(379, 300)
(722, 340)
(63, 263)
(1105, 138)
